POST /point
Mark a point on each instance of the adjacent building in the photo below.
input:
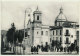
(64, 31)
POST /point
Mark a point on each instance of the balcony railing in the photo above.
(67, 34)
(67, 43)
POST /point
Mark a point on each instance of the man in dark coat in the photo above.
(42, 48)
(64, 49)
(32, 49)
(61, 49)
(37, 49)
(77, 49)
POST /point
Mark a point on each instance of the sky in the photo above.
(13, 11)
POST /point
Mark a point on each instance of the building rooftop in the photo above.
(55, 27)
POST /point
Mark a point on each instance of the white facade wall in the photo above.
(72, 37)
(45, 36)
(37, 36)
(72, 32)
(54, 37)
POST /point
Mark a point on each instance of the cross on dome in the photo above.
(61, 10)
(37, 9)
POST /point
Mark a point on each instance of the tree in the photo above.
(11, 33)
(15, 36)
(20, 36)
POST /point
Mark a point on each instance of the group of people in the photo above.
(68, 49)
(36, 49)
(45, 48)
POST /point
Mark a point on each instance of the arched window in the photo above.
(37, 17)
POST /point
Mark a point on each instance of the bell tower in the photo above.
(36, 31)
(37, 18)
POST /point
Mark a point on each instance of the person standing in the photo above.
(32, 49)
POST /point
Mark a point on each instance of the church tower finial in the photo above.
(61, 10)
(37, 9)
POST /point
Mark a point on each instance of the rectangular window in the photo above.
(37, 17)
(60, 40)
(56, 32)
(41, 32)
(67, 33)
(77, 33)
(60, 32)
(37, 32)
(53, 32)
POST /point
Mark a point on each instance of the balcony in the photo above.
(67, 34)
(67, 42)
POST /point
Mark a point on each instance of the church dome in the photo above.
(61, 16)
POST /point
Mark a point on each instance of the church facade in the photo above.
(37, 32)
(63, 31)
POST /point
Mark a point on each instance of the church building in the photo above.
(37, 32)
(63, 31)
